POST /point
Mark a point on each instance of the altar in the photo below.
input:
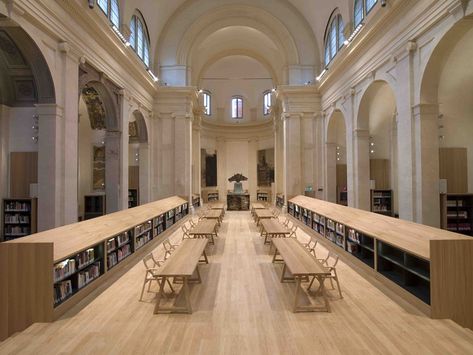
(238, 199)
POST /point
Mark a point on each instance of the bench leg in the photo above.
(160, 294)
(206, 260)
(187, 295)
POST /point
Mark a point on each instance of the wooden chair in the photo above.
(185, 232)
(275, 213)
(293, 232)
(330, 262)
(286, 222)
(168, 247)
(152, 265)
(311, 246)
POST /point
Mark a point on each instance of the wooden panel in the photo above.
(341, 176)
(452, 274)
(379, 171)
(23, 172)
(79, 236)
(409, 236)
(454, 167)
(134, 177)
(27, 278)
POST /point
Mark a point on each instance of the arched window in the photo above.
(111, 10)
(334, 38)
(207, 102)
(139, 39)
(267, 98)
(362, 8)
(237, 107)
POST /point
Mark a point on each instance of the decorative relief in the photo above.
(95, 108)
(25, 90)
(10, 51)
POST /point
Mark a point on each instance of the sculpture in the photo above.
(238, 186)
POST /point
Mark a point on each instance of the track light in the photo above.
(321, 74)
(155, 78)
(91, 4)
(383, 3)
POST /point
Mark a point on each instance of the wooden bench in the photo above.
(257, 206)
(262, 214)
(206, 228)
(272, 228)
(214, 214)
(302, 265)
(182, 264)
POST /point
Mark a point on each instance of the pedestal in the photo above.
(238, 202)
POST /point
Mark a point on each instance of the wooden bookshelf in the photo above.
(456, 213)
(133, 198)
(94, 206)
(19, 217)
(429, 267)
(280, 200)
(45, 274)
(382, 202)
(342, 196)
(263, 195)
(212, 196)
(196, 200)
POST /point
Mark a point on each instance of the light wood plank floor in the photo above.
(242, 308)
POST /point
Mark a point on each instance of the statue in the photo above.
(238, 186)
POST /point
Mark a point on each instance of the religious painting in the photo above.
(98, 172)
(265, 167)
(209, 168)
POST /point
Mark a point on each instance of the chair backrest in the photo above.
(167, 244)
(286, 222)
(333, 258)
(150, 262)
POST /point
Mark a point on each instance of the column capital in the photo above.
(425, 111)
(361, 133)
(49, 110)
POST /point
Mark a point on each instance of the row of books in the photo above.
(123, 238)
(88, 275)
(459, 214)
(119, 255)
(381, 208)
(459, 227)
(16, 230)
(142, 228)
(340, 228)
(62, 290)
(353, 236)
(17, 206)
(17, 218)
(64, 269)
(86, 257)
(159, 229)
(111, 245)
(330, 224)
(159, 220)
(142, 240)
(454, 203)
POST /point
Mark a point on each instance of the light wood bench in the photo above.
(214, 214)
(182, 264)
(206, 228)
(302, 265)
(257, 206)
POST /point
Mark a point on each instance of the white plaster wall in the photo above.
(455, 97)
(21, 131)
(232, 76)
(236, 156)
(134, 154)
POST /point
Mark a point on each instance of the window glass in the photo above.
(115, 13)
(206, 97)
(358, 12)
(103, 4)
(267, 102)
(237, 107)
(370, 4)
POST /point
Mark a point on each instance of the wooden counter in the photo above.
(32, 272)
(423, 263)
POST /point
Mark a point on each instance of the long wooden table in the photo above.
(272, 228)
(206, 228)
(302, 265)
(262, 214)
(214, 214)
(218, 206)
(257, 206)
(183, 263)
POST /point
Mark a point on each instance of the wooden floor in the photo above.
(242, 308)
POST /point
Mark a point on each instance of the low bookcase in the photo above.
(45, 274)
(429, 267)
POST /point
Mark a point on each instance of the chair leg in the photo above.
(310, 285)
(170, 286)
(143, 289)
(338, 284)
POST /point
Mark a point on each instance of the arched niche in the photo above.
(138, 161)
(99, 138)
(446, 92)
(376, 144)
(336, 159)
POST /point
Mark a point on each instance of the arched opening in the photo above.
(99, 147)
(447, 87)
(26, 91)
(138, 161)
(376, 150)
(336, 159)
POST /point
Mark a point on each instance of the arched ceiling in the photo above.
(292, 29)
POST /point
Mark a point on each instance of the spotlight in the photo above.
(91, 4)
(383, 3)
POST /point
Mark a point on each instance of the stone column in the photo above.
(292, 155)
(221, 169)
(124, 147)
(113, 140)
(51, 176)
(319, 160)
(331, 169)
(427, 164)
(4, 152)
(308, 152)
(196, 163)
(145, 165)
(183, 155)
(252, 167)
(362, 170)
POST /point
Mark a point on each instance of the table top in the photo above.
(213, 214)
(298, 259)
(409, 236)
(217, 206)
(273, 226)
(264, 213)
(184, 259)
(258, 206)
(205, 226)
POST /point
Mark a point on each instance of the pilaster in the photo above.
(362, 171)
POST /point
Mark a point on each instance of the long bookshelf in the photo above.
(19, 217)
(79, 254)
(424, 264)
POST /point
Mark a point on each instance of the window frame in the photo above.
(364, 10)
(108, 11)
(139, 38)
(267, 109)
(208, 108)
(334, 37)
(238, 99)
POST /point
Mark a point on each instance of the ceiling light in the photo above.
(354, 33)
(321, 74)
(155, 78)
